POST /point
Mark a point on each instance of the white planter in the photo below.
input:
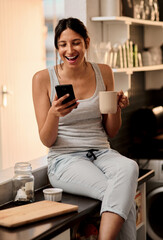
(110, 7)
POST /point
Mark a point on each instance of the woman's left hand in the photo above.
(123, 101)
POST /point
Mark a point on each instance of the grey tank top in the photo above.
(81, 129)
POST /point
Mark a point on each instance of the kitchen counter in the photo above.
(49, 228)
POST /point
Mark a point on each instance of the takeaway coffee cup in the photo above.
(108, 102)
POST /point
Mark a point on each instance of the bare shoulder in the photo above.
(107, 75)
(104, 68)
(41, 76)
(41, 79)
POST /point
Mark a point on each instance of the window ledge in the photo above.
(39, 169)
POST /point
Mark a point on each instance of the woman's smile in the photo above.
(72, 58)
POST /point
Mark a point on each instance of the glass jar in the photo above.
(23, 183)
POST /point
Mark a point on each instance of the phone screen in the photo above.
(64, 89)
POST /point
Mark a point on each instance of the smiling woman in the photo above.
(80, 160)
(22, 53)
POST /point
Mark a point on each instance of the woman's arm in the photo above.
(112, 122)
(46, 120)
(47, 115)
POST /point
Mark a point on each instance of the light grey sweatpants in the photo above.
(111, 178)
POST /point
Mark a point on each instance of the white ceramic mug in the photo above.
(108, 102)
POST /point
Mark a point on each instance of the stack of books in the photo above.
(124, 56)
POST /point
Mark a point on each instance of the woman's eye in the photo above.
(62, 45)
(76, 43)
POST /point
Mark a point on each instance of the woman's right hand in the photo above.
(60, 109)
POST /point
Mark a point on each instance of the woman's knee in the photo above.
(132, 171)
(129, 169)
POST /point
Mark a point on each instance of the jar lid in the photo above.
(23, 167)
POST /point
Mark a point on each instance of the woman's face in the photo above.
(71, 48)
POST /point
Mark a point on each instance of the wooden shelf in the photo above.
(145, 175)
(140, 225)
(138, 69)
(127, 20)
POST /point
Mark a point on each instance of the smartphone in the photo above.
(61, 90)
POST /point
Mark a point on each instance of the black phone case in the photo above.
(64, 89)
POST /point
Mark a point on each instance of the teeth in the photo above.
(71, 57)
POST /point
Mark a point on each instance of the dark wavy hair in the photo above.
(72, 23)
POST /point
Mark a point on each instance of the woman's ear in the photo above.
(87, 42)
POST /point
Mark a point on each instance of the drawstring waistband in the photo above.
(90, 154)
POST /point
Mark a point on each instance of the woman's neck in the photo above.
(66, 73)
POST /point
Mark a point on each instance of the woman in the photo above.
(80, 159)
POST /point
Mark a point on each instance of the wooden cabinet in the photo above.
(144, 176)
(63, 236)
(141, 226)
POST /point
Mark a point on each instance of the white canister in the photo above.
(146, 58)
(110, 7)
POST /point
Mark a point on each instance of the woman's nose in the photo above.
(69, 48)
